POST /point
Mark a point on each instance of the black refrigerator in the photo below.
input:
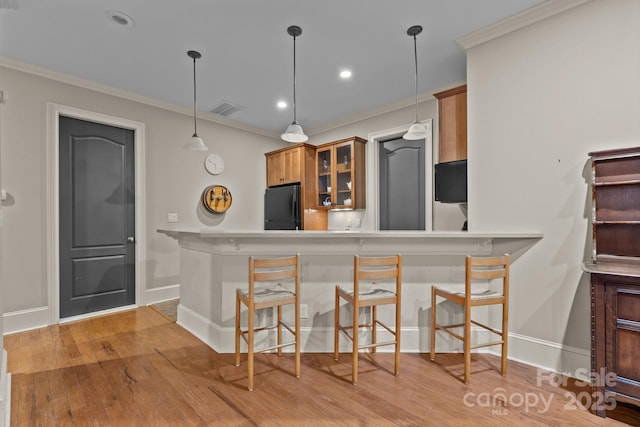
(282, 208)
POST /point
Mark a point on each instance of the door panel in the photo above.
(97, 225)
(402, 185)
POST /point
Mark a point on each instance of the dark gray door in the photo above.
(97, 217)
(402, 188)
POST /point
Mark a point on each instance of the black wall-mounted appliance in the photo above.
(282, 208)
(451, 182)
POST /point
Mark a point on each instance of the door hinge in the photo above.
(1, 97)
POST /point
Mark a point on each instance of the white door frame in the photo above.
(54, 111)
(373, 172)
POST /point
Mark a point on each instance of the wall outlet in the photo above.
(172, 217)
(304, 311)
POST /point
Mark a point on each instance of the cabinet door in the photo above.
(274, 169)
(622, 325)
(324, 168)
(291, 165)
(284, 167)
(452, 119)
(343, 196)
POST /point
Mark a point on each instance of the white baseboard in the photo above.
(165, 293)
(5, 393)
(33, 318)
(550, 356)
(546, 355)
(204, 329)
(24, 320)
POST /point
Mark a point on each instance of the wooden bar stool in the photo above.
(370, 295)
(271, 272)
(476, 269)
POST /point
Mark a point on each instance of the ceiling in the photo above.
(247, 55)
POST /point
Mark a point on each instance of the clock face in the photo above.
(214, 164)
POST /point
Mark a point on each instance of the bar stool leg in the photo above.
(336, 328)
(433, 323)
(237, 328)
(250, 350)
(374, 316)
(354, 350)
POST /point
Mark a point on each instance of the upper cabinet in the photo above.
(452, 114)
(285, 166)
(340, 174)
(616, 205)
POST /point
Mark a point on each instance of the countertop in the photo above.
(335, 242)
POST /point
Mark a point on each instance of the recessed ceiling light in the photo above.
(282, 105)
(120, 18)
(345, 74)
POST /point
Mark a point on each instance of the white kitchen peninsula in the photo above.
(214, 263)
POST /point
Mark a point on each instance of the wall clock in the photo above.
(216, 198)
(214, 164)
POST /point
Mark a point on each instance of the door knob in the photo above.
(131, 239)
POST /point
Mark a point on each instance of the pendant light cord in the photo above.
(415, 55)
(294, 80)
(195, 126)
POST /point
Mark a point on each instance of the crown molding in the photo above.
(385, 109)
(519, 20)
(130, 96)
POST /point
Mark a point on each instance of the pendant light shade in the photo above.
(416, 130)
(294, 132)
(195, 143)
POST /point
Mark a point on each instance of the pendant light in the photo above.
(195, 143)
(416, 130)
(294, 132)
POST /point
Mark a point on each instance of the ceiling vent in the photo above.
(226, 108)
(8, 4)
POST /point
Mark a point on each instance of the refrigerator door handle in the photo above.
(294, 207)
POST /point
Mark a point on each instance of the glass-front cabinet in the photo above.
(324, 167)
(340, 174)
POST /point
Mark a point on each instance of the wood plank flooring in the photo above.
(137, 368)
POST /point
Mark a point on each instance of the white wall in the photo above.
(174, 180)
(4, 391)
(540, 99)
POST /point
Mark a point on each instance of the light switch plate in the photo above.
(172, 217)
(304, 311)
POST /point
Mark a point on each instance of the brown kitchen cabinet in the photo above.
(452, 124)
(615, 277)
(340, 174)
(285, 166)
(295, 164)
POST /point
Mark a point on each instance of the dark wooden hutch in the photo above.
(615, 277)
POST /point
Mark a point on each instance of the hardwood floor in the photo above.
(138, 368)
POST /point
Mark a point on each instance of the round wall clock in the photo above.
(214, 164)
(216, 198)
